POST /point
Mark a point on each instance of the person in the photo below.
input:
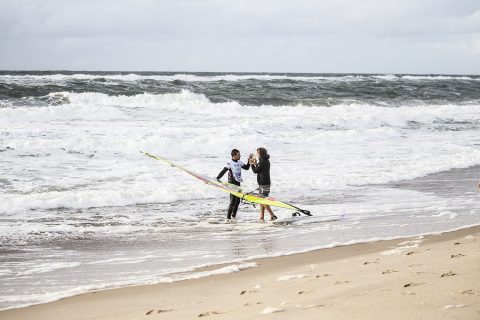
(234, 168)
(262, 169)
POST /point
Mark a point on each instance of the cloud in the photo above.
(215, 35)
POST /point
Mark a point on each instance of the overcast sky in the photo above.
(368, 36)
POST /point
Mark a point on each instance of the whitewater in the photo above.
(82, 209)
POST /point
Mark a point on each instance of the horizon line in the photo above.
(237, 72)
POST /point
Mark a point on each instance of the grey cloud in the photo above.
(248, 35)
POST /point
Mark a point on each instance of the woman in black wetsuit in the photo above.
(262, 169)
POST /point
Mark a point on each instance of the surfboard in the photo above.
(305, 220)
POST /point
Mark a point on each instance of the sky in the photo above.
(336, 36)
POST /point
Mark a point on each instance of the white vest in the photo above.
(235, 168)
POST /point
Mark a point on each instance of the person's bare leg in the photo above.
(270, 211)
(262, 211)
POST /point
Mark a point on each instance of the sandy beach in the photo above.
(431, 277)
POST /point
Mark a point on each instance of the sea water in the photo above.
(82, 209)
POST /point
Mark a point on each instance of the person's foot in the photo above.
(261, 220)
(274, 217)
(227, 221)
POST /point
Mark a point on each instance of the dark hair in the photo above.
(262, 151)
(234, 152)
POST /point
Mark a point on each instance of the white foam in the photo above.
(449, 214)
(66, 112)
(402, 247)
(203, 274)
(99, 106)
(48, 267)
(132, 77)
(187, 127)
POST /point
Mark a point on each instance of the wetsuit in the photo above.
(262, 169)
(234, 168)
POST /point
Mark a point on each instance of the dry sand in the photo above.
(434, 277)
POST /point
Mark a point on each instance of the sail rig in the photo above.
(233, 189)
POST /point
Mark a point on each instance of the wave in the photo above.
(344, 145)
(100, 107)
(80, 107)
(134, 77)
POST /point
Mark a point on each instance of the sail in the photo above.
(231, 188)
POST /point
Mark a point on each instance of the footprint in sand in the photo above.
(166, 310)
(415, 265)
(249, 304)
(469, 292)
(389, 271)
(208, 313)
(410, 253)
(269, 310)
(322, 275)
(247, 291)
(458, 255)
(448, 274)
(158, 311)
(304, 292)
(341, 282)
(412, 284)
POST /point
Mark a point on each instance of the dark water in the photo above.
(251, 89)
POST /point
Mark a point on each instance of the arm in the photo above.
(220, 175)
(257, 168)
(246, 166)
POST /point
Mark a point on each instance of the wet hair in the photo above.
(262, 151)
(234, 152)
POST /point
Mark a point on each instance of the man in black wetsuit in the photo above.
(234, 168)
(262, 169)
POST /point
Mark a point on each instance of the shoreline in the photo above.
(229, 267)
(271, 281)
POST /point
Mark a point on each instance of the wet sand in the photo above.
(432, 277)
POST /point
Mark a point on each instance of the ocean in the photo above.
(372, 156)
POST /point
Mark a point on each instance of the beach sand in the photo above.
(431, 277)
